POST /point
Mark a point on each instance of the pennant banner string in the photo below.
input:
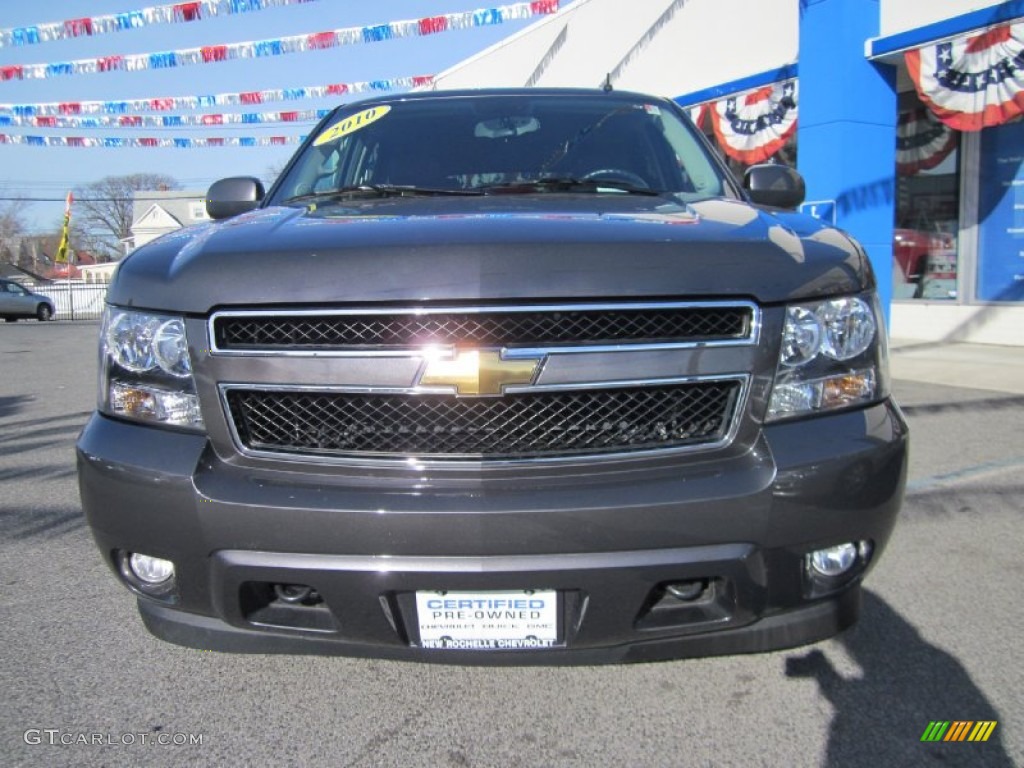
(90, 26)
(280, 46)
(176, 103)
(148, 142)
(165, 121)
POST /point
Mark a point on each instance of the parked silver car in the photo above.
(18, 301)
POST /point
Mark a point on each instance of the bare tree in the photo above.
(271, 172)
(102, 214)
(12, 225)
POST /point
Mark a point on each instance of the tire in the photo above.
(44, 313)
(10, 319)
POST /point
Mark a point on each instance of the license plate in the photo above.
(487, 621)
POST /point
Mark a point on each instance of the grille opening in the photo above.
(617, 324)
(514, 426)
(716, 604)
(262, 604)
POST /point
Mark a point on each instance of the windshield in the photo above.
(501, 144)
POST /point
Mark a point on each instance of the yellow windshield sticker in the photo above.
(351, 124)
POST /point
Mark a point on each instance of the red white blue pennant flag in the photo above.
(974, 81)
(152, 142)
(169, 103)
(144, 17)
(922, 142)
(753, 126)
(316, 41)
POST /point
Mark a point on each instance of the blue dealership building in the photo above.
(903, 116)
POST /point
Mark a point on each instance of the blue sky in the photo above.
(51, 171)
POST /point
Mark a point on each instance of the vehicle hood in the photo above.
(536, 246)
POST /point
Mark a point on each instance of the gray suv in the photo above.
(512, 376)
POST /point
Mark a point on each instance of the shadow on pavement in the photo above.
(44, 434)
(12, 405)
(37, 471)
(907, 682)
(1008, 403)
(19, 524)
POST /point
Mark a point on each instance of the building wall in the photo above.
(904, 15)
(664, 47)
(977, 323)
(710, 42)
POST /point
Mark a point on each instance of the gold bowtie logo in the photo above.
(479, 372)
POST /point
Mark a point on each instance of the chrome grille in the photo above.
(534, 424)
(482, 327)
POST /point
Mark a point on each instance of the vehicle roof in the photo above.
(611, 95)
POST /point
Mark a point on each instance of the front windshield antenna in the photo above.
(607, 88)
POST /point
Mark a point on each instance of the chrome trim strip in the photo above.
(384, 460)
(561, 561)
(752, 338)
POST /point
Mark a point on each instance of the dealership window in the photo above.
(927, 226)
(1000, 214)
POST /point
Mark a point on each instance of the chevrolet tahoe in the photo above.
(500, 377)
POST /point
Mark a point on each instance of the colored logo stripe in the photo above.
(959, 730)
(982, 730)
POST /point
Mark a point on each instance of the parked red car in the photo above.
(927, 260)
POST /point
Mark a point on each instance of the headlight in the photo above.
(145, 369)
(833, 355)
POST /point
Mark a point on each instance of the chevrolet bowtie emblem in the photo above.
(479, 372)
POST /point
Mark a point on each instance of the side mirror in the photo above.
(232, 196)
(778, 186)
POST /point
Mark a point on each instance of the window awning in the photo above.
(972, 81)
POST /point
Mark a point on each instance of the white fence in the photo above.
(75, 300)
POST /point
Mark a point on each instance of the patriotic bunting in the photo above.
(169, 103)
(922, 142)
(165, 121)
(753, 126)
(974, 81)
(282, 46)
(149, 142)
(698, 113)
(144, 17)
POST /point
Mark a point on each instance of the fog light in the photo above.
(687, 591)
(293, 593)
(834, 561)
(150, 570)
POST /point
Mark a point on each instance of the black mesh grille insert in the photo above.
(524, 425)
(613, 325)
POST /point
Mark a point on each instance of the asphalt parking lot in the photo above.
(83, 684)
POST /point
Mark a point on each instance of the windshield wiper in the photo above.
(379, 190)
(568, 184)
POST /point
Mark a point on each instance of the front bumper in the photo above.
(606, 540)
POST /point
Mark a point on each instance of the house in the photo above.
(156, 213)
